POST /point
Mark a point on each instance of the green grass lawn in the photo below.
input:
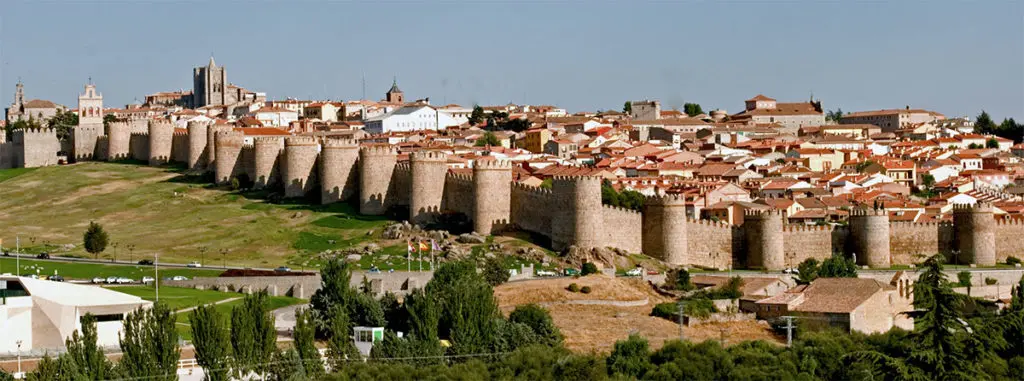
(72, 270)
(275, 302)
(176, 297)
(6, 174)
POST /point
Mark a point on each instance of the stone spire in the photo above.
(212, 64)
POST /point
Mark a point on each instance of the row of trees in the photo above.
(628, 199)
(1008, 129)
(691, 109)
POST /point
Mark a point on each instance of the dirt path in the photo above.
(228, 300)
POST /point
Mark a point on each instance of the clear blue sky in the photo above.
(952, 57)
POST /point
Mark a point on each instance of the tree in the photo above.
(211, 339)
(838, 266)
(63, 122)
(395, 315)
(19, 125)
(4, 376)
(983, 124)
(1010, 129)
(108, 119)
(588, 268)
(629, 358)
(424, 315)
(334, 290)
(808, 271)
(95, 239)
(253, 338)
(834, 116)
(149, 345)
(489, 139)
(692, 109)
(495, 272)
(476, 116)
(928, 181)
(539, 321)
(339, 345)
(678, 279)
(1017, 299)
(964, 280)
(627, 108)
(88, 357)
(48, 369)
(305, 342)
(991, 143)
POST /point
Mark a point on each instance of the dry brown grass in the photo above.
(596, 328)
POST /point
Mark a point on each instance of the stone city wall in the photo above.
(711, 244)
(910, 241)
(801, 242)
(623, 228)
(532, 208)
(458, 193)
(1009, 240)
(305, 285)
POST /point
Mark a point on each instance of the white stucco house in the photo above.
(42, 314)
(275, 116)
(410, 118)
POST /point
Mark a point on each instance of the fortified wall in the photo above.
(568, 214)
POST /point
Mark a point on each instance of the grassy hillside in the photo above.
(159, 210)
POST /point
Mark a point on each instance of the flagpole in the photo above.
(408, 256)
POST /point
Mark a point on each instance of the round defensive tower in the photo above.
(869, 229)
(197, 138)
(492, 195)
(211, 147)
(338, 174)
(765, 245)
(664, 229)
(228, 147)
(161, 136)
(266, 151)
(299, 173)
(579, 218)
(975, 227)
(118, 140)
(427, 187)
(376, 165)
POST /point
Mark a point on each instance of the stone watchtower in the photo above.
(90, 124)
(664, 229)
(869, 229)
(765, 245)
(209, 85)
(228, 146)
(118, 140)
(376, 166)
(339, 177)
(394, 94)
(197, 138)
(492, 195)
(211, 143)
(161, 136)
(579, 216)
(427, 188)
(299, 173)
(266, 152)
(975, 233)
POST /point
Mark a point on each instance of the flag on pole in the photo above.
(423, 246)
(408, 254)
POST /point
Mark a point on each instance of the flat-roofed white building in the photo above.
(411, 117)
(42, 314)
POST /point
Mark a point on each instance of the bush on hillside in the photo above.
(1012, 261)
(588, 268)
(585, 289)
(574, 287)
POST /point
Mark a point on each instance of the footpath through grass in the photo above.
(6, 174)
(274, 302)
(176, 298)
(87, 271)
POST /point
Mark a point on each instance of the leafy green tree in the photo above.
(678, 279)
(88, 357)
(983, 124)
(546, 184)
(395, 315)
(4, 376)
(964, 280)
(424, 315)
(494, 271)
(627, 108)
(253, 337)
(692, 109)
(304, 335)
(1017, 299)
(629, 358)
(1010, 129)
(95, 239)
(334, 289)
(476, 116)
(808, 271)
(366, 311)
(288, 366)
(211, 340)
(991, 143)
(340, 347)
(838, 266)
(834, 116)
(588, 268)
(62, 123)
(489, 139)
(19, 125)
(107, 120)
(540, 321)
(149, 345)
(47, 369)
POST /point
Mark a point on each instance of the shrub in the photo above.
(668, 311)
(585, 289)
(678, 279)
(991, 281)
(588, 268)
(574, 287)
(1012, 261)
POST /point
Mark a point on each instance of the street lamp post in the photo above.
(223, 258)
(131, 248)
(19, 342)
(115, 245)
(202, 255)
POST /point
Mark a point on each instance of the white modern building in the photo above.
(42, 314)
(410, 118)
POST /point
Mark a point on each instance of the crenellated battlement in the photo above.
(387, 150)
(861, 212)
(1009, 222)
(460, 177)
(486, 165)
(757, 214)
(806, 228)
(267, 140)
(913, 225)
(620, 209)
(581, 179)
(119, 125)
(666, 200)
(179, 132)
(980, 207)
(422, 156)
(340, 143)
(708, 222)
(404, 167)
(300, 141)
(538, 191)
(35, 131)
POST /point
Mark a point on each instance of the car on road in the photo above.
(636, 271)
(98, 279)
(124, 280)
(571, 272)
(146, 262)
(56, 278)
(148, 279)
(546, 273)
(33, 276)
(283, 269)
(43, 256)
(195, 264)
(111, 279)
(179, 277)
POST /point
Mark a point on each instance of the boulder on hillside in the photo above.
(471, 238)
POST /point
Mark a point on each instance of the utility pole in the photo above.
(682, 307)
(789, 330)
(156, 275)
(19, 342)
(17, 255)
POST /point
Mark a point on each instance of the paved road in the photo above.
(126, 263)
(284, 318)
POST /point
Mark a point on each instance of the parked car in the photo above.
(111, 279)
(124, 280)
(43, 256)
(98, 279)
(374, 270)
(147, 279)
(146, 262)
(653, 272)
(571, 272)
(179, 277)
(546, 273)
(195, 264)
(636, 271)
(33, 276)
(283, 269)
(56, 278)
